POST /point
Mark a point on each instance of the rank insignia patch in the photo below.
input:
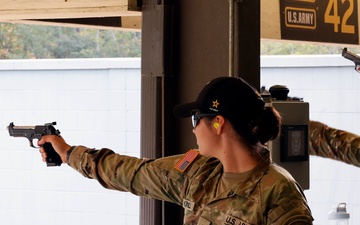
(185, 161)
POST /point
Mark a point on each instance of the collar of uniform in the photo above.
(247, 185)
(210, 184)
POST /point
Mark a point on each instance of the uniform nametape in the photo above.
(189, 205)
(230, 220)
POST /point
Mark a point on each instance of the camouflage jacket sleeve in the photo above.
(335, 144)
(143, 177)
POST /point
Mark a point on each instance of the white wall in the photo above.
(96, 102)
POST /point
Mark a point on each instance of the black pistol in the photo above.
(353, 57)
(36, 132)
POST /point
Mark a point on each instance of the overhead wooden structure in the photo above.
(114, 14)
(319, 21)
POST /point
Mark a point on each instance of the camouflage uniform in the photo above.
(269, 195)
(335, 144)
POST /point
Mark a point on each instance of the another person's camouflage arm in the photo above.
(335, 144)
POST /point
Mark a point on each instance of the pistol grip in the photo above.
(52, 159)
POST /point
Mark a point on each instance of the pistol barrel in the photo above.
(351, 56)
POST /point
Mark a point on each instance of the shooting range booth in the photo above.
(186, 43)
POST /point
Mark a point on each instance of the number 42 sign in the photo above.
(332, 21)
(332, 16)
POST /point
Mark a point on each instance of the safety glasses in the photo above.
(196, 116)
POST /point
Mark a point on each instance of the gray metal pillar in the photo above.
(156, 69)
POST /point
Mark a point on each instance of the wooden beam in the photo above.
(19, 11)
(56, 9)
(130, 23)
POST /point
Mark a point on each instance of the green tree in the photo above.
(19, 41)
(301, 48)
(8, 40)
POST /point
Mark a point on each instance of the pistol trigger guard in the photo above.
(32, 144)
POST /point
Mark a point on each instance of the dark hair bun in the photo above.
(267, 125)
(262, 127)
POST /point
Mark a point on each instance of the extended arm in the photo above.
(335, 144)
(142, 177)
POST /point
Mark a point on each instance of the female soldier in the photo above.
(229, 180)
